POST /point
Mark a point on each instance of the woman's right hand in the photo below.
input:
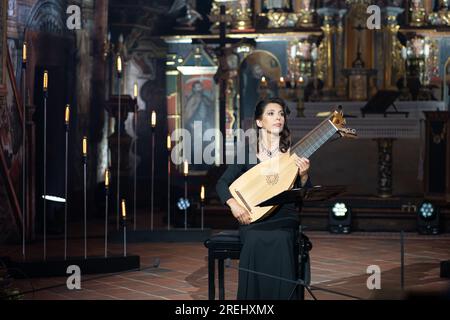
(239, 212)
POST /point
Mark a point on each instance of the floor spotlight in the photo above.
(340, 218)
(428, 218)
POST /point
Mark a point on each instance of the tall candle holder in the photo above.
(185, 173)
(24, 158)
(153, 125)
(119, 112)
(45, 87)
(106, 210)
(66, 125)
(135, 94)
(124, 222)
(84, 194)
(202, 206)
(169, 147)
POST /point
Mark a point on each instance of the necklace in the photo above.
(268, 152)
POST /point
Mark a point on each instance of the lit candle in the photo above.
(153, 122)
(119, 64)
(107, 178)
(135, 90)
(281, 83)
(263, 81)
(186, 168)
(124, 209)
(45, 80)
(67, 114)
(169, 142)
(84, 146)
(24, 53)
(202, 193)
(300, 80)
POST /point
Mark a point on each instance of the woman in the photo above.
(267, 245)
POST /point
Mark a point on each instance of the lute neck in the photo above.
(314, 139)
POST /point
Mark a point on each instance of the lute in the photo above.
(278, 174)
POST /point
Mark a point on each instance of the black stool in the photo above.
(221, 246)
(227, 244)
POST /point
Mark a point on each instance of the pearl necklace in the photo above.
(269, 153)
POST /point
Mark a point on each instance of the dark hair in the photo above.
(285, 134)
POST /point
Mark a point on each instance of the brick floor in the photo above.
(338, 269)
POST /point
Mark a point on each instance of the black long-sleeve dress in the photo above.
(267, 245)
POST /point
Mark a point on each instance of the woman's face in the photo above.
(272, 119)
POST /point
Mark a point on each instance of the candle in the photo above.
(119, 64)
(202, 193)
(281, 82)
(185, 168)
(84, 146)
(135, 91)
(124, 210)
(263, 81)
(45, 80)
(107, 178)
(24, 53)
(67, 114)
(153, 121)
(169, 142)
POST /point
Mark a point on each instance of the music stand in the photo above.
(299, 196)
(381, 101)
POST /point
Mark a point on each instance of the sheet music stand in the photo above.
(299, 196)
(380, 102)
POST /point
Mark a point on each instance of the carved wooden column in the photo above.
(385, 167)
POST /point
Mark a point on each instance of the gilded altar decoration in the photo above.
(417, 13)
(442, 17)
(279, 14)
(243, 13)
(306, 14)
(216, 18)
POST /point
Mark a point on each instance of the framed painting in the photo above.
(11, 135)
(199, 104)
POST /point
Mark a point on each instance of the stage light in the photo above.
(428, 218)
(183, 204)
(339, 219)
(54, 198)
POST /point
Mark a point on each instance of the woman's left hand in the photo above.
(302, 165)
